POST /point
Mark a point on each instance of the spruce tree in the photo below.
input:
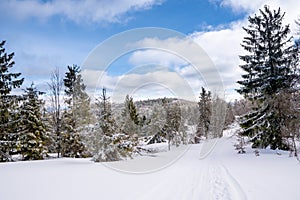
(204, 105)
(77, 99)
(32, 140)
(130, 108)
(130, 117)
(105, 118)
(9, 118)
(269, 69)
(105, 143)
(173, 120)
(77, 113)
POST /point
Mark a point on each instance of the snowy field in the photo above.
(200, 173)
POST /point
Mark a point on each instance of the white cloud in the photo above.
(223, 45)
(190, 61)
(176, 63)
(188, 52)
(141, 86)
(251, 7)
(169, 82)
(94, 79)
(78, 11)
(159, 57)
(193, 78)
(242, 5)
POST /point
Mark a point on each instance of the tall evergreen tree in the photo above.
(130, 117)
(77, 113)
(32, 140)
(130, 108)
(105, 118)
(269, 69)
(8, 103)
(204, 104)
(77, 99)
(105, 143)
(173, 120)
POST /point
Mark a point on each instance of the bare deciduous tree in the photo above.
(55, 87)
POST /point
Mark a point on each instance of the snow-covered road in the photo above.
(195, 178)
(201, 173)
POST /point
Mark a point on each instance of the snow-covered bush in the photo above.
(106, 148)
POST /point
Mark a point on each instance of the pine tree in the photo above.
(9, 118)
(77, 113)
(105, 118)
(131, 109)
(173, 120)
(104, 143)
(32, 140)
(77, 99)
(204, 104)
(269, 69)
(130, 117)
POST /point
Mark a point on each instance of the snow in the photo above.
(156, 147)
(211, 170)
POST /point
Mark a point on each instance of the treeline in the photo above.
(28, 130)
(70, 125)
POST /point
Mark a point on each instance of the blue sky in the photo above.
(49, 34)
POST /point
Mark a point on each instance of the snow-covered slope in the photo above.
(201, 172)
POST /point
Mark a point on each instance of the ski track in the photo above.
(219, 187)
(204, 178)
(223, 184)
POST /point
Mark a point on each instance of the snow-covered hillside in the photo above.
(201, 172)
